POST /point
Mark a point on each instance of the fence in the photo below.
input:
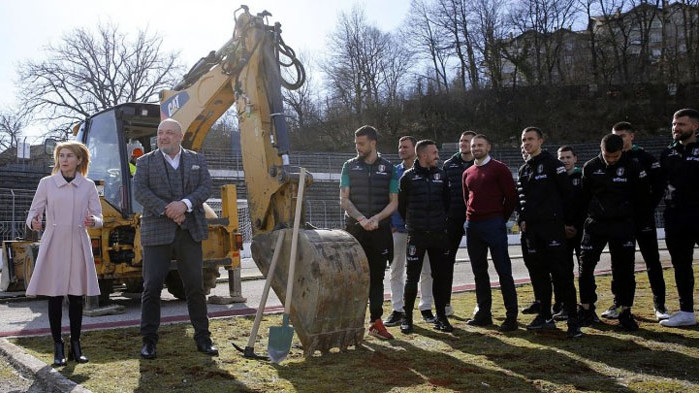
(14, 205)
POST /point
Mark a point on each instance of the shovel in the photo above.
(280, 336)
(249, 351)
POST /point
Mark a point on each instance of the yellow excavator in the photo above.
(331, 278)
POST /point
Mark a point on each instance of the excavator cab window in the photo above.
(103, 142)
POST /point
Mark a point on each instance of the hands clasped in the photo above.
(369, 224)
(175, 211)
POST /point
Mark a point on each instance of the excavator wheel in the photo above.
(331, 285)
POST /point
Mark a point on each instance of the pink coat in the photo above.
(65, 265)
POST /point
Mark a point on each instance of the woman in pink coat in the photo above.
(65, 265)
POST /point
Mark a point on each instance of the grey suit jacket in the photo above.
(153, 191)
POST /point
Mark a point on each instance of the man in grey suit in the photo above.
(172, 183)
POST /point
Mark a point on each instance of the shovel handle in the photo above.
(294, 241)
(265, 291)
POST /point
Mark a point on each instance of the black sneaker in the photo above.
(442, 324)
(556, 308)
(479, 320)
(627, 321)
(587, 317)
(533, 308)
(406, 325)
(427, 316)
(541, 323)
(394, 319)
(509, 325)
(561, 315)
(574, 331)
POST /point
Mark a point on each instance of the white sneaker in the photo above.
(661, 313)
(448, 310)
(612, 312)
(680, 318)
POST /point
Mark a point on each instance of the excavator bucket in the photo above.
(331, 287)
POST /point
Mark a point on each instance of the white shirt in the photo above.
(485, 161)
(175, 163)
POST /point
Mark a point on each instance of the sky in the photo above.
(191, 27)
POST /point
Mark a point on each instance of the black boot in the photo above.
(59, 354)
(76, 352)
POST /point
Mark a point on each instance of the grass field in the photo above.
(653, 359)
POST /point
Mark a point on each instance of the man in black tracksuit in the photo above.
(646, 235)
(423, 202)
(545, 189)
(680, 166)
(567, 156)
(615, 190)
(455, 167)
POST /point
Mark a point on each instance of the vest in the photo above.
(369, 185)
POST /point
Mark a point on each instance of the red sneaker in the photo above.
(378, 330)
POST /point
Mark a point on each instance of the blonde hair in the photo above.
(80, 151)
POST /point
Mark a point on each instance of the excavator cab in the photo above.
(107, 136)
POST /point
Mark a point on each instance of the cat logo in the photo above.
(540, 168)
(382, 168)
(620, 172)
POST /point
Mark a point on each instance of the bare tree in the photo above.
(546, 23)
(12, 123)
(90, 71)
(454, 17)
(690, 29)
(423, 33)
(490, 19)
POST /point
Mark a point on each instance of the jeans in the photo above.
(482, 236)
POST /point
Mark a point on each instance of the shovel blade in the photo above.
(280, 338)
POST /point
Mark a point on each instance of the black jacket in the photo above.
(655, 176)
(614, 194)
(455, 167)
(579, 211)
(544, 190)
(680, 171)
(423, 199)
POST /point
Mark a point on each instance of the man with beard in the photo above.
(423, 201)
(615, 191)
(490, 198)
(646, 234)
(680, 166)
(369, 195)
(544, 212)
(406, 152)
(455, 167)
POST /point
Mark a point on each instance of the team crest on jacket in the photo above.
(540, 168)
(576, 182)
(620, 172)
(695, 152)
(382, 168)
(412, 250)
(436, 176)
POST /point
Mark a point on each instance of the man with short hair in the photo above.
(615, 190)
(569, 158)
(645, 233)
(172, 184)
(455, 167)
(406, 152)
(423, 201)
(369, 194)
(544, 212)
(680, 168)
(490, 198)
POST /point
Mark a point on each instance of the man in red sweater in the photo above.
(490, 196)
